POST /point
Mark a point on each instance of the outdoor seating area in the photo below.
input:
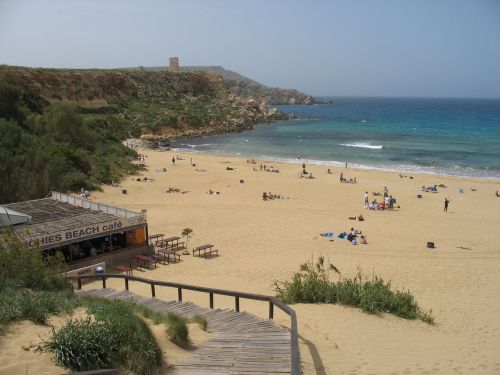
(167, 249)
(205, 251)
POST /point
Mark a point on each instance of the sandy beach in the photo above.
(263, 241)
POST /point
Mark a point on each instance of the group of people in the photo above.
(144, 179)
(269, 196)
(84, 193)
(430, 189)
(264, 167)
(347, 181)
(352, 237)
(387, 202)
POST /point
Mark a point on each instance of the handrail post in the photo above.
(153, 294)
(126, 283)
(237, 304)
(211, 300)
(271, 310)
(179, 294)
(79, 283)
(104, 282)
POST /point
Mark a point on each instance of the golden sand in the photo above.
(262, 241)
(18, 354)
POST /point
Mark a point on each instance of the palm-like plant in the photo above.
(187, 233)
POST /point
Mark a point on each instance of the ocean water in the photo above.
(446, 136)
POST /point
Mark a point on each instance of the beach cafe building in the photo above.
(88, 234)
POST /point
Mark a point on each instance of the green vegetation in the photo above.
(62, 129)
(187, 233)
(23, 268)
(31, 287)
(83, 345)
(373, 295)
(57, 147)
(177, 330)
(201, 321)
(113, 335)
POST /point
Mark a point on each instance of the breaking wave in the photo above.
(363, 145)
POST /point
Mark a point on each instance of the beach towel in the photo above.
(327, 235)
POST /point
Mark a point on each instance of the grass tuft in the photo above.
(83, 345)
(373, 295)
(177, 330)
(201, 321)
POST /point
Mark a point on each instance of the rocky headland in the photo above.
(154, 103)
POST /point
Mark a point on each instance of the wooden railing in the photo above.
(273, 301)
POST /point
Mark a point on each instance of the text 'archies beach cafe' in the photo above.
(86, 233)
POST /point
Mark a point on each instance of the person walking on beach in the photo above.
(173, 160)
(446, 202)
(367, 203)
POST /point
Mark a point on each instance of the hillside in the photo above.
(248, 88)
(155, 102)
(62, 129)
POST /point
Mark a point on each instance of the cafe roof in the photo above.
(62, 212)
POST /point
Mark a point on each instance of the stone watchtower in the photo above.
(173, 65)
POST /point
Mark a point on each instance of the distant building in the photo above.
(86, 233)
(173, 65)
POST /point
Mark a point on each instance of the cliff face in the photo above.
(250, 89)
(156, 102)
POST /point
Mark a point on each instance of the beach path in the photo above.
(241, 343)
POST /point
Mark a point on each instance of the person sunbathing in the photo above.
(358, 218)
(364, 240)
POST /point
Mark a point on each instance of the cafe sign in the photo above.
(74, 234)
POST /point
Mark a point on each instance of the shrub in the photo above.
(37, 306)
(83, 345)
(373, 295)
(22, 267)
(138, 350)
(177, 330)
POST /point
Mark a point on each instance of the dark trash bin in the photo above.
(99, 271)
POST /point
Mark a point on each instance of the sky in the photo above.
(419, 48)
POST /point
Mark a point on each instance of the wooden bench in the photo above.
(124, 269)
(205, 250)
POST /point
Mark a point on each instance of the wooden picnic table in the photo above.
(157, 238)
(204, 250)
(171, 242)
(146, 260)
(167, 253)
(125, 269)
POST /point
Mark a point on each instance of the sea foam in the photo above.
(363, 145)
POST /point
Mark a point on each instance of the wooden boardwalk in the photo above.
(241, 343)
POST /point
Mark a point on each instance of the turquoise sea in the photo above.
(446, 136)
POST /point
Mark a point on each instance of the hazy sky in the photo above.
(367, 48)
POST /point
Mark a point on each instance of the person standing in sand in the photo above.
(446, 203)
(367, 203)
(173, 161)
